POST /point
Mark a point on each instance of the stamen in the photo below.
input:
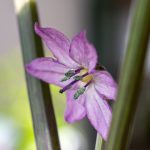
(80, 91)
(70, 74)
(68, 86)
(73, 82)
(77, 78)
(78, 70)
(80, 77)
(87, 84)
(65, 79)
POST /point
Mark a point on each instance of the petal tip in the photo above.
(36, 26)
(28, 67)
(67, 119)
(70, 119)
(82, 34)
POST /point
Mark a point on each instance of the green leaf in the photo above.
(44, 122)
(130, 78)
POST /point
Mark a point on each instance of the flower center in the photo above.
(87, 78)
(80, 74)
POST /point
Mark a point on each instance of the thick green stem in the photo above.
(44, 122)
(130, 79)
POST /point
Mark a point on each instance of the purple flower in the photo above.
(74, 69)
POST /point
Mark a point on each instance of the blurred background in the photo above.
(106, 22)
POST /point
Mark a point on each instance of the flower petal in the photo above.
(58, 43)
(48, 64)
(75, 109)
(48, 70)
(105, 85)
(83, 52)
(98, 112)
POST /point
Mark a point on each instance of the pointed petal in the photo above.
(58, 43)
(48, 70)
(105, 84)
(98, 112)
(83, 52)
(48, 64)
(75, 110)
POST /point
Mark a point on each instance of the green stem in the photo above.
(44, 122)
(130, 79)
(99, 142)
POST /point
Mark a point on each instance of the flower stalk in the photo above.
(99, 143)
(130, 79)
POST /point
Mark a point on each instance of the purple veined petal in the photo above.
(83, 52)
(75, 110)
(98, 112)
(48, 70)
(58, 43)
(105, 84)
(48, 64)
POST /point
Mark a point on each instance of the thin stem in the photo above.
(99, 142)
(130, 79)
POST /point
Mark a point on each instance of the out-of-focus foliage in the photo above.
(59, 105)
(14, 104)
